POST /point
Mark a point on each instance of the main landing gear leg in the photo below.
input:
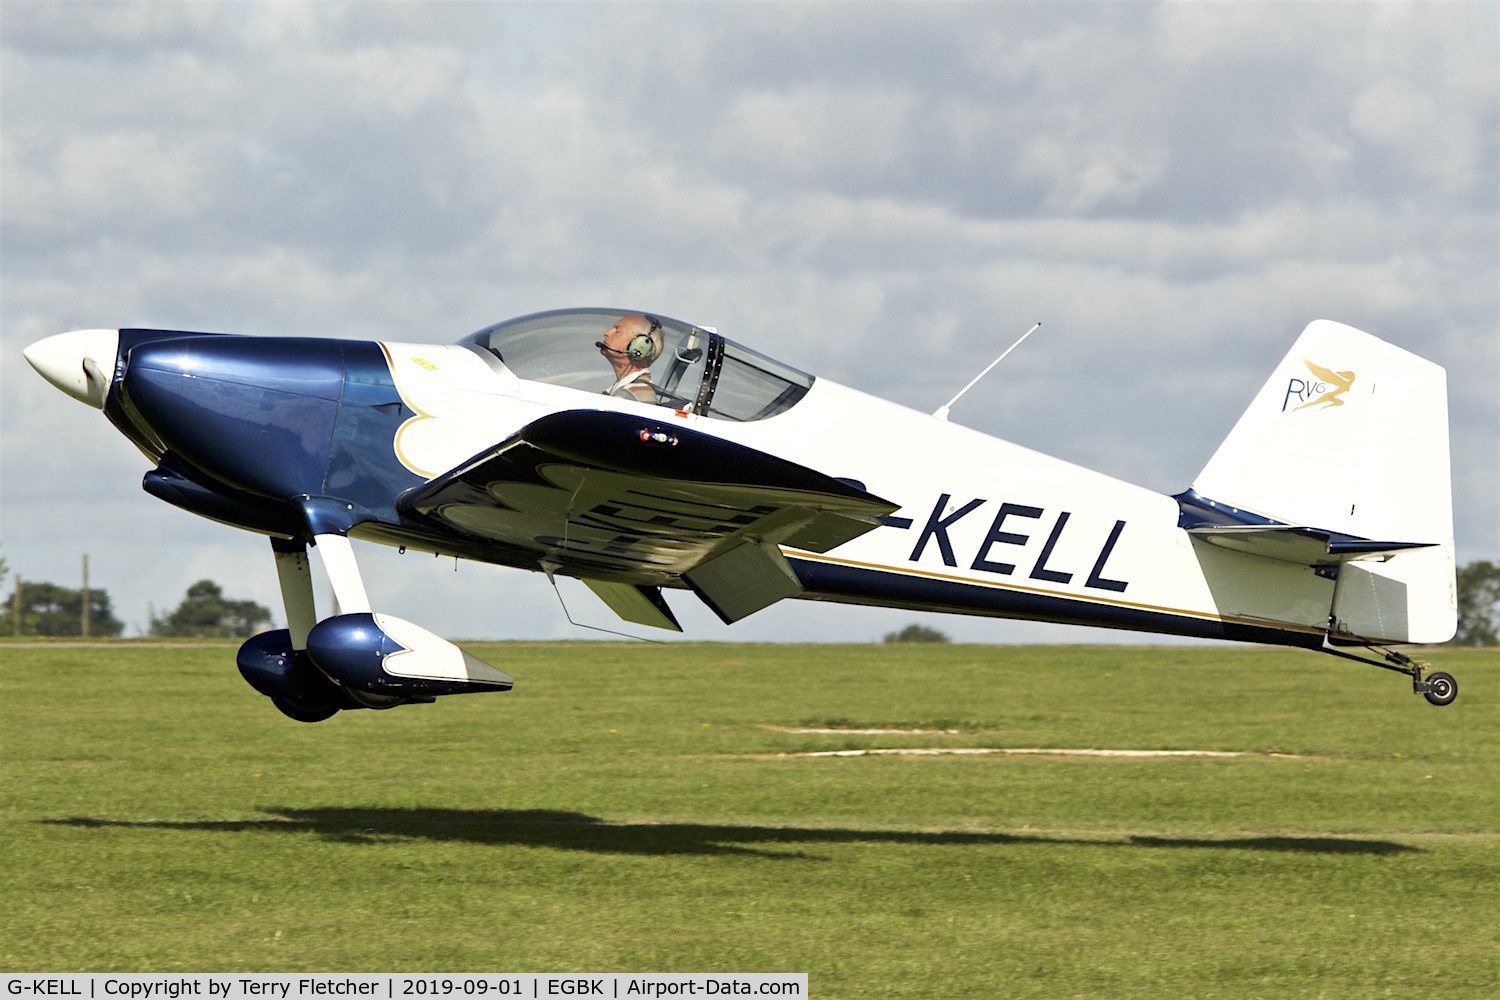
(343, 573)
(1439, 688)
(295, 574)
(285, 673)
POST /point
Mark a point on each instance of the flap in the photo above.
(741, 581)
(617, 498)
(642, 605)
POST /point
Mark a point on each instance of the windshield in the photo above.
(645, 358)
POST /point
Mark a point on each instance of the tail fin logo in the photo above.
(1322, 392)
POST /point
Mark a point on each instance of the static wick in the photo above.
(942, 411)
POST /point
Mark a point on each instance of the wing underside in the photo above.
(617, 500)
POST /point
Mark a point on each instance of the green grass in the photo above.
(622, 810)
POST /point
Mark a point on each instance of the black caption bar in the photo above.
(327, 985)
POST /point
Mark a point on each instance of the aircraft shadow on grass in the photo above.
(580, 832)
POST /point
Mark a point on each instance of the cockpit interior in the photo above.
(667, 363)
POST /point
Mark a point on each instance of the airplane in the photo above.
(641, 454)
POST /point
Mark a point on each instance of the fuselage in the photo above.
(639, 453)
(271, 434)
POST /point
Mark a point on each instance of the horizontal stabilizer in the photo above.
(1291, 543)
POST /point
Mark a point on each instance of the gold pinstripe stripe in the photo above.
(1084, 598)
(420, 416)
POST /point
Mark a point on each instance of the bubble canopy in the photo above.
(651, 359)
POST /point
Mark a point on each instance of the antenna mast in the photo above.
(942, 411)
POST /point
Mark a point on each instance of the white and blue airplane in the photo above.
(640, 454)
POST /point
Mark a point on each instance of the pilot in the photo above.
(630, 346)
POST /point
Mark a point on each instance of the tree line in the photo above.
(47, 609)
(1478, 604)
(33, 608)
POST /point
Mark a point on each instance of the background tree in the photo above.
(205, 614)
(1478, 605)
(917, 633)
(47, 609)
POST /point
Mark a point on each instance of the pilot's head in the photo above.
(632, 343)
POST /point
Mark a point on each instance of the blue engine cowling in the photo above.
(289, 678)
(382, 655)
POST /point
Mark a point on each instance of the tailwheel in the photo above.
(1441, 688)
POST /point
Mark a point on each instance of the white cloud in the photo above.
(96, 181)
(1081, 177)
(1401, 115)
(93, 28)
(810, 131)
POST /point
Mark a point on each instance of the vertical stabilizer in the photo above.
(1350, 435)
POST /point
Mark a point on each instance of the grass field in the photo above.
(624, 809)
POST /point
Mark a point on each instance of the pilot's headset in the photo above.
(645, 348)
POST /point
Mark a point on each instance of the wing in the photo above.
(613, 498)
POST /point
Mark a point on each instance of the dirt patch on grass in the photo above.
(1028, 751)
(849, 731)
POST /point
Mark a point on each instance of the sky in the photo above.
(885, 195)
